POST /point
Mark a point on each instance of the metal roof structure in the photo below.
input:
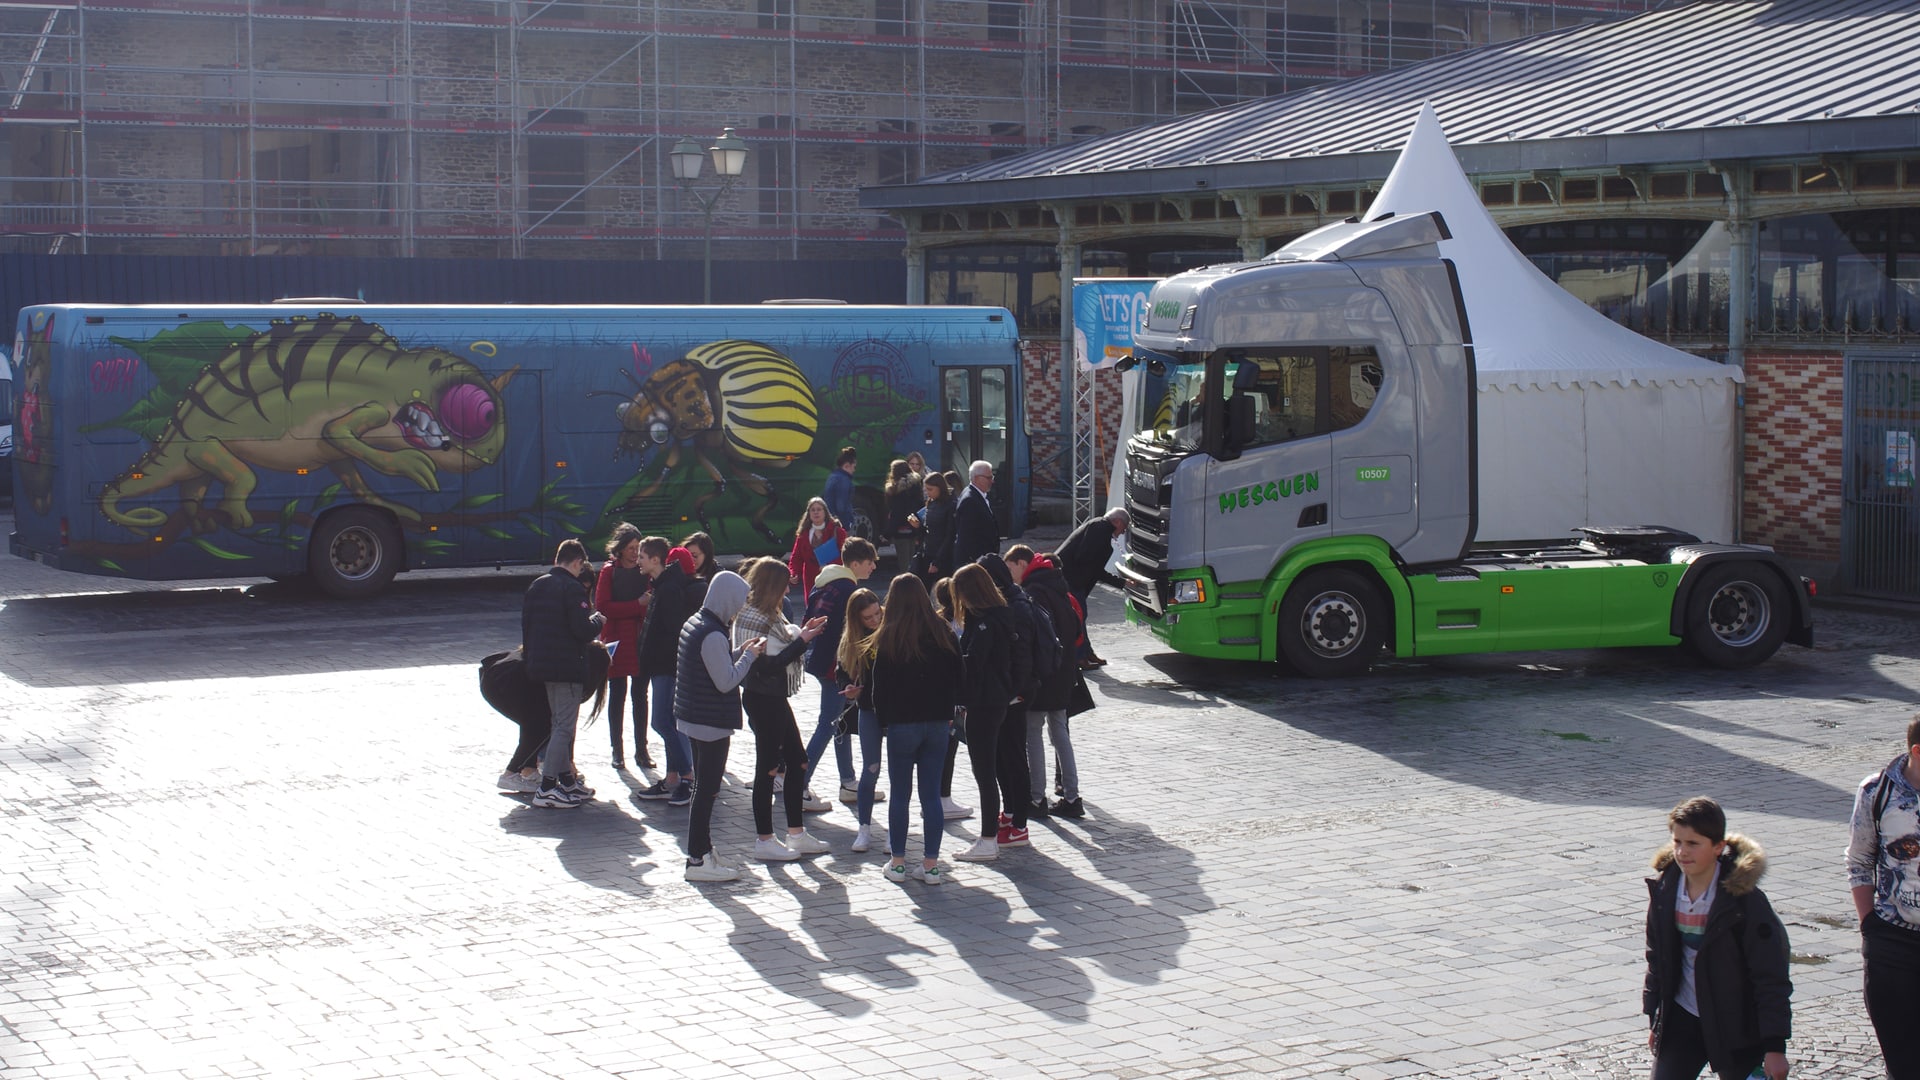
(1707, 81)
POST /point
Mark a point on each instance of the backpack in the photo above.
(1037, 649)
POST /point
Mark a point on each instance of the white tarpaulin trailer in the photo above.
(1582, 421)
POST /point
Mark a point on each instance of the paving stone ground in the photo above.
(249, 832)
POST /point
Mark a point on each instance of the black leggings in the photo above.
(953, 758)
(983, 733)
(776, 743)
(616, 708)
(709, 764)
(533, 739)
(1010, 759)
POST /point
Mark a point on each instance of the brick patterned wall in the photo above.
(1040, 371)
(1792, 474)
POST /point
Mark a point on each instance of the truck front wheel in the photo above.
(1737, 615)
(1332, 623)
(353, 553)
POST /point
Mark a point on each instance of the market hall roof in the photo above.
(1709, 81)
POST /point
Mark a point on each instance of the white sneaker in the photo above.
(863, 840)
(710, 870)
(933, 875)
(985, 849)
(513, 781)
(896, 873)
(806, 844)
(814, 804)
(850, 793)
(773, 851)
(779, 783)
(953, 810)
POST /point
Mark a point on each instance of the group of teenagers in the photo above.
(1717, 983)
(979, 652)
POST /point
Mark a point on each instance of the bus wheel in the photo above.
(353, 553)
(868, 515)
(1737, 615)
(1332, 623)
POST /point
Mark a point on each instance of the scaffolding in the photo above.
(522, 128)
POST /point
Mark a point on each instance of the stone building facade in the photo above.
(504, 128)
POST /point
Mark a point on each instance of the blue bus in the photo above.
(350, 442)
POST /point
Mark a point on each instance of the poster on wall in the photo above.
(1900, 459)
(1105, 313)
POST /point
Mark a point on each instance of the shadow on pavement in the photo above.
(261, 630)
(1613, 727)
(847, 943)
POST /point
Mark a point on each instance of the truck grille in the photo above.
(1149, 491)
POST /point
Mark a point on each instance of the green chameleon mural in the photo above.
(305, 393)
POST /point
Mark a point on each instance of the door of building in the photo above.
(1880, 522)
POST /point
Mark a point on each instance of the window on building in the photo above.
(893, 161)
(556, 170)
(773, 169)
(1204, 33)
(1023, 278)
(1664, 277)
(1850, 272)
(1086, 23)
(282, 192)
(1006, 130)
(1294, 38)
(1003, 19)
(776, 14)
(890, 18)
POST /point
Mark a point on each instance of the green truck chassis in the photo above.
(1332, 605)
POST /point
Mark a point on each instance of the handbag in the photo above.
(1079, 699)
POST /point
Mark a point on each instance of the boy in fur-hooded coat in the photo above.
(1740, 970)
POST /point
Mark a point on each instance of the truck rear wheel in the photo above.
(1332, 623)
(353, 553)
(1737, 615)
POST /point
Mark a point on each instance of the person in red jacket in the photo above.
(817, 543)
(621, 594)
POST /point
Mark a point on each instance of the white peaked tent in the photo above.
(1582, 421)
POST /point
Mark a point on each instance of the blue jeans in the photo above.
(869, 765)
(679, 747)
(830, 705)
(911, 748)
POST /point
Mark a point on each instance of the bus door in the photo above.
(976, 423)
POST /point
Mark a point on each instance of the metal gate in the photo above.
(1880, 526)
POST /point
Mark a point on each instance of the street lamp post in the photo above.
(729, 153)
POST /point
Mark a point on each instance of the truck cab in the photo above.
(1299, 400)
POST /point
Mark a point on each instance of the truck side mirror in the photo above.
(1240, 421)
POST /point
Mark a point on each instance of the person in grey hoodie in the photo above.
(706, 709)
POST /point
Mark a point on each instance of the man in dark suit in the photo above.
(975, 530)
(1083, 559)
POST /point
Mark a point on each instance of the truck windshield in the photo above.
(1171, 402)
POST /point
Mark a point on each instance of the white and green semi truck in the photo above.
(1305, 490)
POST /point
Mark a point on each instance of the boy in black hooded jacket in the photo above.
(1717, 987)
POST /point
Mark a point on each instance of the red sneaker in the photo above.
(1012, 837)
(1006, 819)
